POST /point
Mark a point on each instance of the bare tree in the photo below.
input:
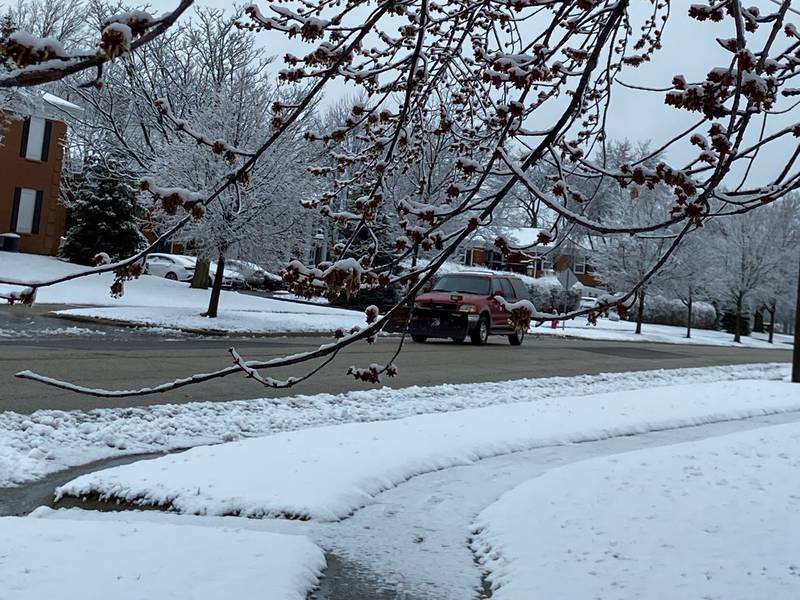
(41, 56)
(750, 257)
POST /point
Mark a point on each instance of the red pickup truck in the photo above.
(465, 304)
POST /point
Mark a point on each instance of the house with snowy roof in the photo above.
(33, 131)
(530, 254)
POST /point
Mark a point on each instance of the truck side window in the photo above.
(520, 291)
(508, 291)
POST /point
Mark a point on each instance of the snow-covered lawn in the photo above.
(715, 518)
(275, 316)
(623, 331)
(157, 302)
(327, 473)
(34, 445)
(96, 560)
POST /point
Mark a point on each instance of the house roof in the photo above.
(518, 237)
(60, 103)
(27, 102)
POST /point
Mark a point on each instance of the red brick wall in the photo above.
(18, 171)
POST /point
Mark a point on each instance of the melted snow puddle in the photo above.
(25, 498)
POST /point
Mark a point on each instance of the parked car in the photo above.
(171, 266)
(255, 276)
(179, 267)
(587, 302)
(464, 304)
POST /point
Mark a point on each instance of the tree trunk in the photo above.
(640, 313)
(213, 303)
(689, 318)
(737, 336)
(771, 309)
(200, 278)
(796, 351)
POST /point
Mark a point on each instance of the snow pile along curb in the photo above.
(715, 518)
(329, 472)
(50, 440)
(93, 560)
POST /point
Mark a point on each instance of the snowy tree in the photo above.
(103, 215)
(752, 256)
(691, 276)
(624, 262)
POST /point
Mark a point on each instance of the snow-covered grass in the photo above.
(624, 331)
(327, 473)
(31, 446)
(95, 560)
(157, 302)
(715, 518)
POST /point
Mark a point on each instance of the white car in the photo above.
(179, 267)
(171, 266)
(587, 302)
(230, 278)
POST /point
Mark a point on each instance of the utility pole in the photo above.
(796, 351)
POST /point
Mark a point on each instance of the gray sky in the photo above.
(689, 48)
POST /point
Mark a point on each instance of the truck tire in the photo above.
(480, 334)
(420, 339)
(515, 339)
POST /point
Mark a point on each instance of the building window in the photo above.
(27, 210)
(36, 139)
(580, 264)
(468, 258)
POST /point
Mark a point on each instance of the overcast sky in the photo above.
(689, 49)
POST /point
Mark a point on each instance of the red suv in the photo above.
(464, 304)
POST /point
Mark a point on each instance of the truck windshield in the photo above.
(466, 284)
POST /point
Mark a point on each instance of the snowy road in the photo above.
(124, 359)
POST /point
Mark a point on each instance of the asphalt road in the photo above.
(132, 361)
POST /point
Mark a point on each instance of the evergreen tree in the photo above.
(103, 214)
(7, 27)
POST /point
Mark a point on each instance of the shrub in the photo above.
(547, 294)
(663, 311)
(728, 322)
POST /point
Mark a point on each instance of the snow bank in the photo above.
(147, 291)
(34, 445)
(710, 519)
(96, 560)
(624, 331)
(329, 472)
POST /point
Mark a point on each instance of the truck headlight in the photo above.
(468, 308)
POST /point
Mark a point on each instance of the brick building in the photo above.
(536, 261)
(31, 159)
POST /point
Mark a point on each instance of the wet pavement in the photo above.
(22, 500)
(36, 325)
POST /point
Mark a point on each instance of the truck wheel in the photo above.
(515, 339)
(420, 339)
(481, 333)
